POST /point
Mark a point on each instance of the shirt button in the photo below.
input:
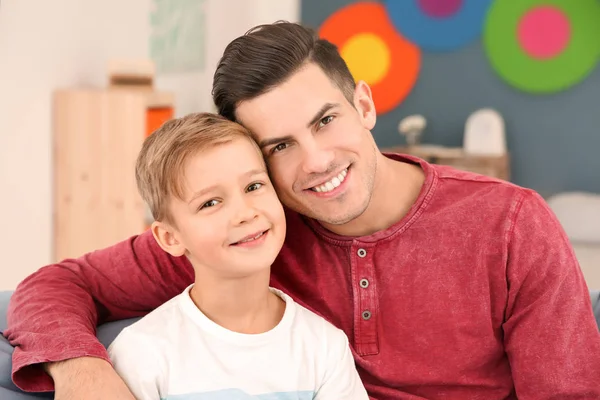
(366, 315)
(364, 283)
(362, 253)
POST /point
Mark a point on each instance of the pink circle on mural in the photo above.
(440, 8)
(544, 32)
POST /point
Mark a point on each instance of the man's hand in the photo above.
(87, 378)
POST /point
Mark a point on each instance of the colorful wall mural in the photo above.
(537, 46)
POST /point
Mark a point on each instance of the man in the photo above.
(448, 284)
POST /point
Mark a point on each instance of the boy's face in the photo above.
(230, 221)
(319, 148)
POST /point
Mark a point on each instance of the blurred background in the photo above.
(508, 89)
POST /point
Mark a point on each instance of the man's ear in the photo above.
(363, 102)
(167, 238)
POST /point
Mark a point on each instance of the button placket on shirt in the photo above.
(365, 298)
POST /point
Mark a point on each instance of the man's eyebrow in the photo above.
(268, 142)
(321, 113)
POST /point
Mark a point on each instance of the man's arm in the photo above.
(550, 334)
(89, 378)
(53, 313)
(341, 380)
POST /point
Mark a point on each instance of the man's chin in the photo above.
(334, 213)
(338, 220)
(334, 217)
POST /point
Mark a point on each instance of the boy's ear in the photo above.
(167, 238)
(363, 102)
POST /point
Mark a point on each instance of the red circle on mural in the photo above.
(405, 57)
(440, 8)
(544, 32)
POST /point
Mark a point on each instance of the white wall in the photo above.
(45, 45)
(223, 25)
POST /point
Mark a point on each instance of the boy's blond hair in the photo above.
(161, 161)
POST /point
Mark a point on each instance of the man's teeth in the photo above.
(332, 184)
(252, 238)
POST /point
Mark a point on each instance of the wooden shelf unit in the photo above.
(97, 136)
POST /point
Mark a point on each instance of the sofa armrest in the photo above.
(8, 391)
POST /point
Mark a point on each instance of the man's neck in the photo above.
(396, 188)
(244, 305)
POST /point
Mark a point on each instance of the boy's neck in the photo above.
(244, 305)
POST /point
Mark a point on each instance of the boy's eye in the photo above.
(254, 186)
(210, 203)
(325, 121)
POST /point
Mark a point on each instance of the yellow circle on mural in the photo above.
(367, 56)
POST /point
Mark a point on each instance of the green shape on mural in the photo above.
(177, 39)
(535, 75)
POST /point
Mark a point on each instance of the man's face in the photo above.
(230, 221)
(318, 146)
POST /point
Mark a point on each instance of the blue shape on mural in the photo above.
(432, 33)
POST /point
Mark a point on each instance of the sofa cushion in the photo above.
(4, 297)
(596, 305)
(579, 214)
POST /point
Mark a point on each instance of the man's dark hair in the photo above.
(268, 55)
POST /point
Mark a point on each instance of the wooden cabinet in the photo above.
(97, 136)
(490, 165)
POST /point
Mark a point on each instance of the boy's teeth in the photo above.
(333, 183)
(250, 239)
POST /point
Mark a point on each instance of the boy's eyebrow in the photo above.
(201, 192)
(320, 114)
(252, 172)
(255, 171)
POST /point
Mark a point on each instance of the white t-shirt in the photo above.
(176, 352)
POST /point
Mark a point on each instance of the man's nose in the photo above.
(316, 159)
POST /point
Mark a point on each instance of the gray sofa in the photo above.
(8, 391)
(106, 333)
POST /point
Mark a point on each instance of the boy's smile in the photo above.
(252, 240)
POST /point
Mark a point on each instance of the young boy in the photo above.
(229, 335)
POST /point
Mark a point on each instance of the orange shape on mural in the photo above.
(374, 51)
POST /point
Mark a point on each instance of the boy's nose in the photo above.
(245, 213)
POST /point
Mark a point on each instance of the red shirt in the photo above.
(474, 294)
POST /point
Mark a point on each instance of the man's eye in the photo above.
(254, 186)
(279, 147)
(210, 203)
(325, 121)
